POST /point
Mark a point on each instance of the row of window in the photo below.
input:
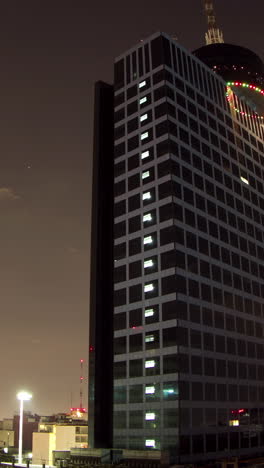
(169, 146)
(148, 419)
(178, 259)
(167, 391)
(177, 283)
(174, 363)
(222, 192)
(194, 444)
(180, 310)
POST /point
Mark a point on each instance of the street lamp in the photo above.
(21, 396)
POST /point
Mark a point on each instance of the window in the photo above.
(145, 174)
(150, 416)
(146, 196)
(150, 390)
(144, 135)
(145, 154)
(150, 363)
(148, 263)
(148, 287)
(142, 84)
(149, 312)
(243, 179)
(150, 443)
(149, 338)
(148, 240)
(142, 100)
(143, 117)
(147, 217)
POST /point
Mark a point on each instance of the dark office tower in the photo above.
(188, 257)
(101, 288)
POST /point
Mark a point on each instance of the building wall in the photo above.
(6, 438)
(43, 445)
(188, 260)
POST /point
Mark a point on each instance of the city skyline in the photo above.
(50, 62)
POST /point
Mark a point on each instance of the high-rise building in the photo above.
(184, 292)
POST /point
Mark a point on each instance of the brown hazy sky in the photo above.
(51, 53)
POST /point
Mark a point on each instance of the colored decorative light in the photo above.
(231, 84)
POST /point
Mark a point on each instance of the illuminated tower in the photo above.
(214, 35)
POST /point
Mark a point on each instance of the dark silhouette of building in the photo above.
(30, 425)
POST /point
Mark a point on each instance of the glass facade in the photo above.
(188, 260)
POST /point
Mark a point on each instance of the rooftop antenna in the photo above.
(81, 383)
(214, 35)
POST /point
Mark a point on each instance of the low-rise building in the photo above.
(61, 436)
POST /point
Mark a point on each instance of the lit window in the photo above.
(150, 443)
(142, 100)
(145, 155)
(244, 180)
(148, 240)
(148, 287)
(168, 391)
(150, 390)
(145, 174)
(149, 312)
(142, 84)
(234, 422)
(150, 416)
(143, 117)
(146, 196)
(148, 263)
(144, 135)
(149, 339)
(147, 217)
(150, 363)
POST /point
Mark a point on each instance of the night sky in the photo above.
(51, 53)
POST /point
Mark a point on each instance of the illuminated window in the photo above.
(148, 263)
(144, 135)
(150, 443)
(142, 84)
(143, 117)
(146, 196)
(145, 174)
(234, 422)
(147, 217)
(168, 391)
(149, 339)
(148, 287)
(149, 312)
(148, 240)
(145, 155)
(150, 390)
(142, 100)
(150, 363)
(150, 416)
(244, 180)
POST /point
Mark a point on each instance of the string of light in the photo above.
(232, 84)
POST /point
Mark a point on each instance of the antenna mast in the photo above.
(81, 384)
(214, 35)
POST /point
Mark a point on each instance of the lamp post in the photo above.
(21, 396)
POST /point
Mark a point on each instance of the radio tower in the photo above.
(81, 385)
(214, 35)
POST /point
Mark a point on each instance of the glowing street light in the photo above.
(21, 396)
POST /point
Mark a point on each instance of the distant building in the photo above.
(7, 433)
(30, 425)
(61, 436)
